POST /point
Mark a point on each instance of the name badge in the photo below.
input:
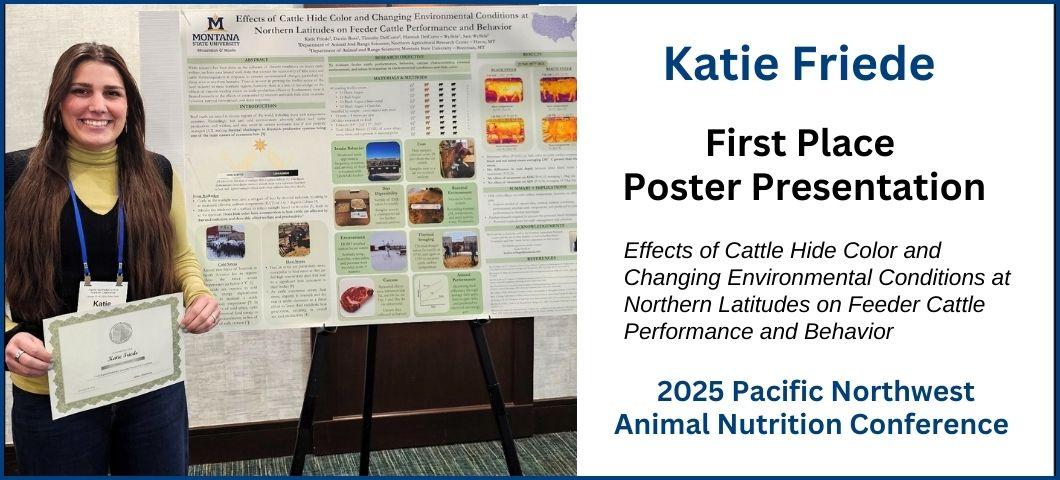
(101, 294)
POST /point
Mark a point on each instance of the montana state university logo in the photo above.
(215, 35)
(215, 24)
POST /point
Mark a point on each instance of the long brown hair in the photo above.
(37, 199)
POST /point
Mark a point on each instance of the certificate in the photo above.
(109, 354)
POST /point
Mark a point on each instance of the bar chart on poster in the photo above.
(356, 166)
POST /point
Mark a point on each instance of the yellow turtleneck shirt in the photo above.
(95, 178)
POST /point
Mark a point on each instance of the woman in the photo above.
(92, 152)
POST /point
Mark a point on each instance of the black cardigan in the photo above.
(102, 254)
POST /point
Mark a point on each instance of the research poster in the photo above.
(356, 166)
(817, 240)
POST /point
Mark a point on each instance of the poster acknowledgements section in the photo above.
(866, 286)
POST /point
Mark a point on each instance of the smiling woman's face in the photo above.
(93, 111)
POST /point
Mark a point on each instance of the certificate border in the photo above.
(53, 332)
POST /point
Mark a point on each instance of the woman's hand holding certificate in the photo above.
(105, 355)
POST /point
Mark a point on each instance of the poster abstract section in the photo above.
(355, 166)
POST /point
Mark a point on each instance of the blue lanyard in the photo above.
(81, 235)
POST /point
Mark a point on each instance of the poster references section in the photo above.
(383, 165)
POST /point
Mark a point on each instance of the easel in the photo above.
(304, 439)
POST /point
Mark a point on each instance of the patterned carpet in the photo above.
(549, 454)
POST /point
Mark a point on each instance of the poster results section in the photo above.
(802, 259)
(528, 108)
(377, 165)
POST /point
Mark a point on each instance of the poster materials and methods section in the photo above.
(355, 166)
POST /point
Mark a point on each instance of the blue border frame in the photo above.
(1056, 173)
(1056, 204)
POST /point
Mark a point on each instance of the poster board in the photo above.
(356, 166)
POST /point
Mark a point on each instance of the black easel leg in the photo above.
(304, 440)
(485, 359)
(366, 411)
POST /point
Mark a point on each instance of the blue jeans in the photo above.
(145, 435)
